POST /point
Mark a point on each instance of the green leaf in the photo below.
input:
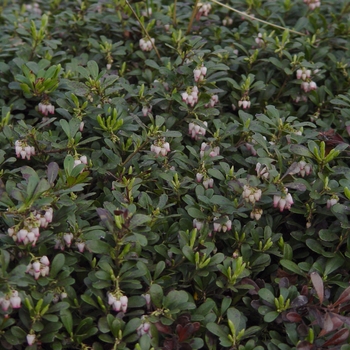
(300, 150)
(159, 269)
(67, 320)
(131, 326)
(292, 266)
(217, 330)
(196, 213)
(52, 172)
(65, 128)
(56, 265)
(271, 316)
(156, 293)
(98, 247)
(267, 295)
(139, 220)
(93, 69)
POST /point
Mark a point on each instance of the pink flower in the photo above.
(31, 339)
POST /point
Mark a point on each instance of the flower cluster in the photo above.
(303, 168)
(146, 110)
(199, 73)
(29, 233)
(81, 160)
(160, 147)
(12, 299)
(197, 224)
(213, 151)
(251, 194)
(46, 108)
(118, 302)
(256, 214)
(244, 103)
(190, 96)
(203, 10)
(213, 101)
(227, 21)
(64, 240)
(312, 4)
(146, 44)
(305, 75)
(222, 227)
(144, 328)
(262, 171)
(207, 182)
(332, 201)
(251, 148)
(259, 40)
(23, 150)
(283, 202)
(39, 267)
(196, 130)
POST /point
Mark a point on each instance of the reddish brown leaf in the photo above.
(343, 298)
(318, 285)
(331, 322)
(293, 317)
(338, 338)
(162, 328)
(305, 345)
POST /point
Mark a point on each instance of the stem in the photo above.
(256, 19)
(194, 12)
(133, 153)
(174, 14)
(143, 28)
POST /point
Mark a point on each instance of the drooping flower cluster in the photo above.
(66, 239)
(213, 101)
(207, 181)
(251, 194)
(11, 299)
(251, 148)
(117, 301)
(222, 227)
(46, 107)
(203, 10)
(312, 4)
(190, 96)
(39, 267)
(146, 44)
(332, 201)
(244, 103)
(227, 21)
(197, 224)
(144, 327)
(262, 171)
(23, 150)
(29, 233)
(160, 147)
(305, 75)
(209, 149)
(199, 73)
(196, 131)
(285, 201)
(146, 109)
(303, 168)
(256, 213)
(81, 160)
(259, 40)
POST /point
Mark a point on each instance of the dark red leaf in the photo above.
(162, 328)
(293, 317)
(338, 338)
(343, 298)
(317, 282)
(184, 333)
(299, 301)
(305, 345)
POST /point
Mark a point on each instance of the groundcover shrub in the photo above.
(175, 174)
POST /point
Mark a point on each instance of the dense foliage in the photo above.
(175, 174)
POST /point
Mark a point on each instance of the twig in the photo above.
(194, 12)
(143, 28)
(256, 19)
